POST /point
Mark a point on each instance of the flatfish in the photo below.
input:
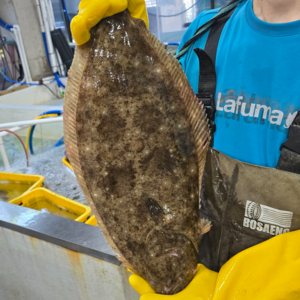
(137, 139)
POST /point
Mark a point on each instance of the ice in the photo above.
(58, 178)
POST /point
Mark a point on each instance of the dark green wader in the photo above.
(247, 205)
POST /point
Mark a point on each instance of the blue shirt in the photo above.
(258, 83)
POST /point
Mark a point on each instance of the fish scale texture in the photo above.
(137, 139)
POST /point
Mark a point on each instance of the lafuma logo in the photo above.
(252, 109)
(267, 219)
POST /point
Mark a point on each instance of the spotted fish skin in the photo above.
(137, 139)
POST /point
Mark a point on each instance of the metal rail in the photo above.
(16, 126)
(31, 122)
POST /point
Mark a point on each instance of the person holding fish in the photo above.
(242, 62)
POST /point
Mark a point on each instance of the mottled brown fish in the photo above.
(137, 139)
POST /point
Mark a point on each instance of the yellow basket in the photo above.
(66, 163)
(44, 200)
(92, 221)
(13, 186)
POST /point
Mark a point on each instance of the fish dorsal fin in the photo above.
(195, 111)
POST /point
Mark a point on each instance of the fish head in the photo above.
(171, 246)
(171, 261)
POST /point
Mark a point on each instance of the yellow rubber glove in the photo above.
(268, 271)
(92, 11)
(201, 287)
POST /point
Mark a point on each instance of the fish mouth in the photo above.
(172, 289)
(183, 279)
(179, 285)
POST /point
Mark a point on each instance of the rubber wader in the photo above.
(247, 205)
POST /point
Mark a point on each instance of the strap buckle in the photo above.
(206, 99)
(212, 126)
(209, 105)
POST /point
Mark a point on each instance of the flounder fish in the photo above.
(137, 139)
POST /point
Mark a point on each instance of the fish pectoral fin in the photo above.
(204, 226)
(156, 211)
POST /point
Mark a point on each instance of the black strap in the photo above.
(207, 77)
(289, 159)
(207, 88)
(213, 39)
(220, 15)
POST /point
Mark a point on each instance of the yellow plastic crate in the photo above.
(92, 221)
(44, 200)
(13, 186)
(66, 163)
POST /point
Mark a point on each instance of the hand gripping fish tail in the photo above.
(137, 139)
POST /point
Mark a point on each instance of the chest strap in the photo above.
(289, 159)
(207, 77)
